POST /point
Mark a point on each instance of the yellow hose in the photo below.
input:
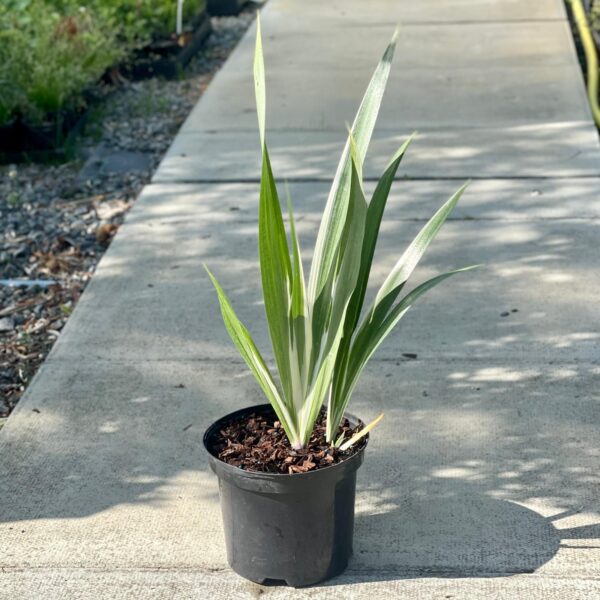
(591, 58)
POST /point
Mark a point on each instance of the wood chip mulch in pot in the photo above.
(260, 444)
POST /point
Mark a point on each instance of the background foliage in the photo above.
(51, 51)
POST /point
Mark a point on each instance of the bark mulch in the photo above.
(260, 444)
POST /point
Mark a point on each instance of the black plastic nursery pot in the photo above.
(222, 8)
(21, 140)
(167, 58)
(295, 529)
(8, 135)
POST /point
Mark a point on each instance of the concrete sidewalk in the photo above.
(482, 481)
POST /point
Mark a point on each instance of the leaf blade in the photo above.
(373, 332)
(276, 273)
(252, 357)
(334, 216)
(259, 82)
(406, 264)
(298, 291)
(371, 233)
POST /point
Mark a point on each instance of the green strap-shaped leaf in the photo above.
(350, 250)
(348, 271)
(334, 216)
(318, 394)
(275, 266)
(259, 82)
(372, 224)
(403, 269)
(298, 308)
(328, 314)
(349, 260)
(372, 333)
(276, 273)
(299, 351)
(249, 352)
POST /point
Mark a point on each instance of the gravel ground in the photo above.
(57, 220)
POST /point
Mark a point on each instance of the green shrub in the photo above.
(52, 50)
(146, 20)
(53, 56)
(9, 94)
(141, 21)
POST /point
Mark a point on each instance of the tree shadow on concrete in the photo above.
(459, 537)
(486, 440)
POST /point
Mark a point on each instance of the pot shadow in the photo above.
(455, 535)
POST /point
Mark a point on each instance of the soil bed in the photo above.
(260, 444)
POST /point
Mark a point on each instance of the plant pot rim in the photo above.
(222, 468)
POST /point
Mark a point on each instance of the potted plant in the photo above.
(163, 35)
(287, 469)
